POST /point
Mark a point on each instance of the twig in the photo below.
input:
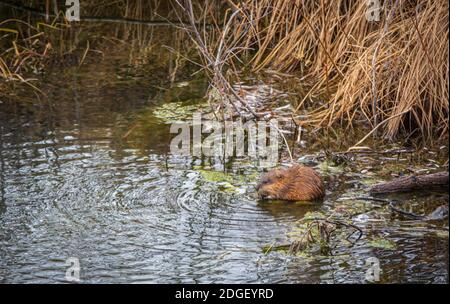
(379, 125)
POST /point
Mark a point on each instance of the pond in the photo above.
(86, 173)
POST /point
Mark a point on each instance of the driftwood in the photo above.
(412, 182)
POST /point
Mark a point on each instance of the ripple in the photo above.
(133, 214)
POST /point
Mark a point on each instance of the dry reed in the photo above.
(393, 71)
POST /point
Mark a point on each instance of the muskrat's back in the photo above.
(297, 183)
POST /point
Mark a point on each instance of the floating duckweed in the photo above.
(382, 243)
(216, 176)
(327, 167)
(311, 215)
(227, 187)
(442, 234)
(354, 206)
(219, 176)
(173, 111)
(227, 182)
(281, 248)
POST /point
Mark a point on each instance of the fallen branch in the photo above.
(412, 182)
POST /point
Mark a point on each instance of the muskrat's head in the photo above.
(271, 184)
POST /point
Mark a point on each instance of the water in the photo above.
(85, 173)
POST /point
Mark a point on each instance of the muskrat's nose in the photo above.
(263, 195)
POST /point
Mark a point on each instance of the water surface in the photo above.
(85, 172)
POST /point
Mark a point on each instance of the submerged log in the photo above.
(412, 182)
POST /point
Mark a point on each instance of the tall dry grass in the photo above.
(393, 73)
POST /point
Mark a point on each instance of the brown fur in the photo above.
(297, 183)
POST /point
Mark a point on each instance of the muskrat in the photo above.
(296, 183)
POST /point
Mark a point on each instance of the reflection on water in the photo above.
(85, 173)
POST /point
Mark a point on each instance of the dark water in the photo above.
(85, 173)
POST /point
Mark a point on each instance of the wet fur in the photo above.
(297, 183)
